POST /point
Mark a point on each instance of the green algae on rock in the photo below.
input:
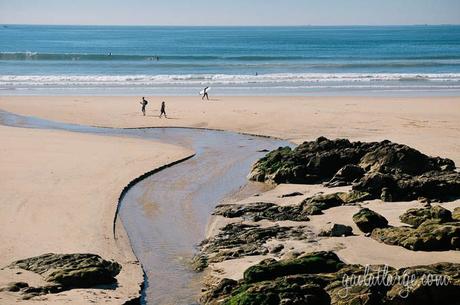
(368, 220)
(385, 170)
(66, 271)
(322, 278)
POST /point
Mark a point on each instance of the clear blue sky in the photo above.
(230, 12)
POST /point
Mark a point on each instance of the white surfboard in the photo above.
(202, 91)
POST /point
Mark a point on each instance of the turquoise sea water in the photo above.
(232, 60)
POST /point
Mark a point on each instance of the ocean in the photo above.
(154, 60)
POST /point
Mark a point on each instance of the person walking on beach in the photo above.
(205, 93)
(163, 109)
(143, 103)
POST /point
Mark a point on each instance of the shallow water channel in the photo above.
(165, 214)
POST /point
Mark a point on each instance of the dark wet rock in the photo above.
(318, 262)
(416, 217)
(337, 230)
(445, 292)
(316, 204)
(14, 286)
(434, 185)
(71, 270)
(238, 240)
(257, 211)
(319, 278)
(431, 235)
(293, 194)
(64, 272)
(346, 175)
(261, 210)
(385, 170)
(368, 220)
(276, 248)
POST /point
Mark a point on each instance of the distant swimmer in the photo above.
(205, 93)
(257, 73)
(110, 54)
(163, 109)
(143, 103)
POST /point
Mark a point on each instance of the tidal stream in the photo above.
(165, 214)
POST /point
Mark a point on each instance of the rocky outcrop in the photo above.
(238, 240)
(261, 210)
(368, 220)
(385, 170)
(321, 278)
(415, 217)
(336, 230)
(66, 271)
(256, 211)
(433, 229)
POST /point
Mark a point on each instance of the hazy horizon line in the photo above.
(232, 25)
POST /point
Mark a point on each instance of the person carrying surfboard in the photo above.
(205, 93)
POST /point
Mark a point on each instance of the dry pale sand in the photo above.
(59, 194)
(431, 124)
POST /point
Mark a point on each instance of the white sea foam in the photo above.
(298, 79)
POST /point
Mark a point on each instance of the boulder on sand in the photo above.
(368, 220)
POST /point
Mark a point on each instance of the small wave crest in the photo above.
(223, 79)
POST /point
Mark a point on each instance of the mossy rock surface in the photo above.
(71, 270)
(431, 235)
(319, 278)
(386, 170)
(368, 220)
(416, 217)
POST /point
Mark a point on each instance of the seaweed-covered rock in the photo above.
(321, 278)
(444, 288)
(384, 169)
(440, 185)
(431, 235)
(316, 262)
(261, 210)
(416, 217)
(71, 270)
(346, 175)
(257, 211)
(316, 204)
(238, 240)
(337, 230)
(368, 220)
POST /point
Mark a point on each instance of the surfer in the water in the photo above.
(143, 103)
(163, 109)
(205, 93)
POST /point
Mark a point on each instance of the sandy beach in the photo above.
(59, 194)
(77, 178)
(430, 124)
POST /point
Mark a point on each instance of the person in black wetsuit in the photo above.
(143, 103)
(163, 109)
(205, 93)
